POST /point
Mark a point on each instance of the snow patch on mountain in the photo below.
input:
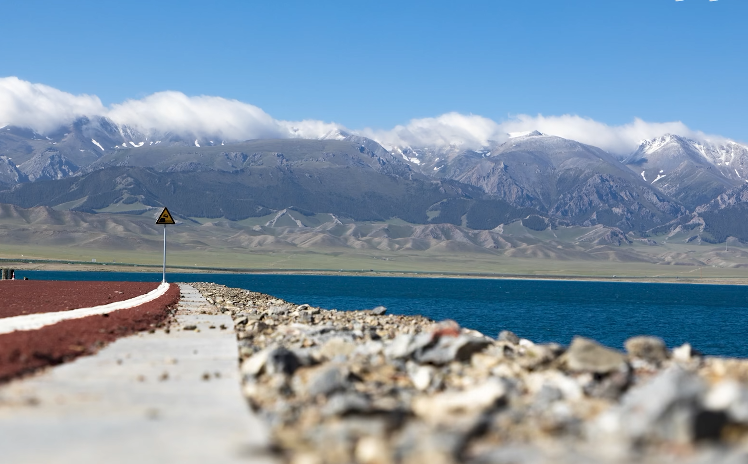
(673, 147)
(532, 133)
(97, 144)
(513, 135)
(335, 134)
(648, 147)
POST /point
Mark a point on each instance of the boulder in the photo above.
(441, 407)
(585, 355)
(651, 349)
(379, 311)
(509, 337)
(448, 349)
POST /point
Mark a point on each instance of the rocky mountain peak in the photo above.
(9, 173)
(535, 133)
(48, 165)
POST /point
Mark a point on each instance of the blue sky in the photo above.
(378, 63)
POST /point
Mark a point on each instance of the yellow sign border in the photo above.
(165, 217)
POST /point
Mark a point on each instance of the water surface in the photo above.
(713, 318)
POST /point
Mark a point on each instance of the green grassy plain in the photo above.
(426, 263)
(45, 239)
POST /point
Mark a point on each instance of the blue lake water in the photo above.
(713, 318)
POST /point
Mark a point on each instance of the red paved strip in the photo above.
(23, 352)
(19, 297)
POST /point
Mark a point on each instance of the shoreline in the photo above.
(367, 386)
(67, 266)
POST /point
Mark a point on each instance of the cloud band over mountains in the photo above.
(44, 109)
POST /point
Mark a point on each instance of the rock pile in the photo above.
(370, 387)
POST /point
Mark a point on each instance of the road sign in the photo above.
(165, 218)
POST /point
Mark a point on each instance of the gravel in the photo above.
(371, 387)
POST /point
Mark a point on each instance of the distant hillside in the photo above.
(344, 191)
(97, 166)
(292, 229)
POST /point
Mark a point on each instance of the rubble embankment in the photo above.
(370, 387)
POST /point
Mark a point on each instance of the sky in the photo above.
(392, 67)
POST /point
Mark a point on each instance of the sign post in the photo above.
(165, 218)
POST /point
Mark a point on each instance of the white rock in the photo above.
(372, 450)
(731, 397)
(370, 348)
(722, 395)
(440, 407)
(682, 353)
(421, 376)
(569, 387)
(254, 364)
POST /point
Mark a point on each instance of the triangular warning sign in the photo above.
(165, 218)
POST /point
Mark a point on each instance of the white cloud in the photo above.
(201, 116)
(471, 131)
(41, 107)
(44, 109)
(309, 128)
(448, 129)
(206, 116)
(616, 139)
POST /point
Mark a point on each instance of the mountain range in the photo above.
(669, 186)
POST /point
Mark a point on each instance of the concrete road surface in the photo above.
(147, 398)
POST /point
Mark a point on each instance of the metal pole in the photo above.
(164, 280)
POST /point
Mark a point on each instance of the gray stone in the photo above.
(664, 409)
(612, 386)
(281, 361)
(508, 336)
(510, 454)
(337, 347)
(327, 380)
(651, 349)
(548, 394)
(404, 345)
(370, 348)
(379, 311)
(418, 444)
(585, 355)
(280, 310)
(306, 356)
(346, 403)
(398, 348)
(448, 349)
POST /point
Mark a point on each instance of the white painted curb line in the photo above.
(37, 321)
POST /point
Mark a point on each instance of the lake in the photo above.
(713, 318)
